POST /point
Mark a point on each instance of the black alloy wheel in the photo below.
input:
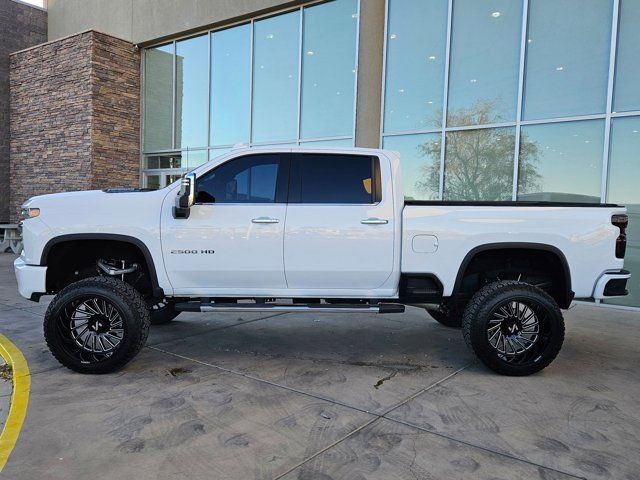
(96, 325)
(513, 327)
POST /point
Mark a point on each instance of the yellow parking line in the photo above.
(19, 399)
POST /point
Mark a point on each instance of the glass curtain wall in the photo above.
(517, 100)
(286, 79)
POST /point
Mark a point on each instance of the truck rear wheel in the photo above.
(447, 316)
(513, 327)
(96, 325)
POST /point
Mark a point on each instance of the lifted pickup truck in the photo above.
(322, 230)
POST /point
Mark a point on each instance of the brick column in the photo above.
(75, 116)
(21, 26)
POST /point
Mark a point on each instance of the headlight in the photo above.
(28, 212)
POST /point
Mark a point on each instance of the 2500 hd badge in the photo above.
(193, 252)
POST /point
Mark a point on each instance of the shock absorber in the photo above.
(114, 271)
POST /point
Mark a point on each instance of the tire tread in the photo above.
(480, 300)
(120, 288)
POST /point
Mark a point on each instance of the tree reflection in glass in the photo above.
(478, 162)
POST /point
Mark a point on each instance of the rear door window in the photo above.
(334, 179)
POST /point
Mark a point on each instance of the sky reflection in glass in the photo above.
(627, 92)
(485, 55)
(328, 69)
(276, 43)
(420, 158)
(192, 80)
(414, 81)
(624, 172)
(567, 58)
(230, 85)
(564, 161)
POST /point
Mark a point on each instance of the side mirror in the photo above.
(186, 197)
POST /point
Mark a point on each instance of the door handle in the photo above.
(265, 220)
(374, 221)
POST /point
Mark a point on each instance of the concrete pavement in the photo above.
(241, 396)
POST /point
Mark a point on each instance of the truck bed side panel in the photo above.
(584, 235)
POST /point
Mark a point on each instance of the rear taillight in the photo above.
(621, 221)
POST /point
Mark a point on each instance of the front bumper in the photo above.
(611, 284)
(32, 279)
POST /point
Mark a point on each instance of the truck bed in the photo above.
(439, 237)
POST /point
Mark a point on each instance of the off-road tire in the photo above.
(162, 315)
(480, 312)
(451, 318)
(131, 308)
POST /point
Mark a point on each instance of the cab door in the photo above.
(340, 228)
(232, 241)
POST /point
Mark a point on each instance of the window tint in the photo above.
(334, 179)
(251, 179)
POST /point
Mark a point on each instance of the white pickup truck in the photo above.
(322, 230)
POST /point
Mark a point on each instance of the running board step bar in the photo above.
(320, 307)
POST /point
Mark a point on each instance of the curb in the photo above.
(19, 398)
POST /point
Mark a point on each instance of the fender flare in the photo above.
(567, 293)
(153, 276)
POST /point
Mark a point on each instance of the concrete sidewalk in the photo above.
(328, 397)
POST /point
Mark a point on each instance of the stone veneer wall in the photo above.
(21, 26)
(116, 112)
(75, 116)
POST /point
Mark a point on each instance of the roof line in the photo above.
(90, 30)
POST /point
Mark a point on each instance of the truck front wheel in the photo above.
(96, 325)
(513, 327)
